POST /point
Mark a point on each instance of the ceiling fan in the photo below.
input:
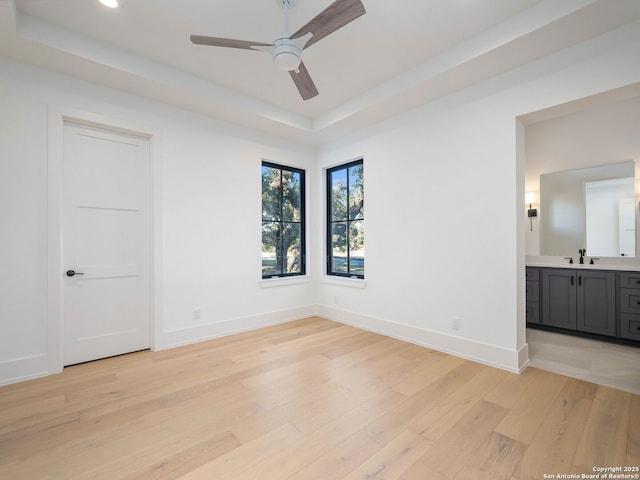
(286, 49)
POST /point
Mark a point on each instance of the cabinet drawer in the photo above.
(533, 291)
(533, 312)
(630, 300)
(533, 274)
(630, 280)
(630, 326)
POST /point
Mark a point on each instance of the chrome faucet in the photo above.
(582, 252)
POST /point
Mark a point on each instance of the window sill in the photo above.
(344, 281)
(283, 281)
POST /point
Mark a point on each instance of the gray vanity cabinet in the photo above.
(583, 300)
(533, 295)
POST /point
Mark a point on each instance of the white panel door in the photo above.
(627, 226)
(106, 243)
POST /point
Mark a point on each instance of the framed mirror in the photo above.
(592, 208)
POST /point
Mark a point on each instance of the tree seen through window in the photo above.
(345, 211)
(282, 221)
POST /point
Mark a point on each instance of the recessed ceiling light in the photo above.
(110, 3)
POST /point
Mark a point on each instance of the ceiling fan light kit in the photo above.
(287, 49)
(286, 55)
(109, 3)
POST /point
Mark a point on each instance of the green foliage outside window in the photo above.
(282, 221)
(345, 210)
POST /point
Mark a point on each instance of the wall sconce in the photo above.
(530, 198)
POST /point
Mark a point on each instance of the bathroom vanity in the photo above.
(580, 299)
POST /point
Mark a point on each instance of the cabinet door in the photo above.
(532, 274)
(533, 312)
(532, 291)
(630, 326)
(629, 280)
(596, 302)
(630, 300)
(559, 298)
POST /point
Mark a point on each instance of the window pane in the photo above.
(356, 247)
(271, 189)
(291, 196)
(270, 248)
(345, 219)
(356, 193)
(283, 242)
(339, 247)
(291, 247)
(339, 195)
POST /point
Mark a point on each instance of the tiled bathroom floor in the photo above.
(609, 364)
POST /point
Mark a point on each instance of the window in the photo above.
(283, 250)
(345, 220)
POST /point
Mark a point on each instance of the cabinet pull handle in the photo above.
(571, 279)
(637, 281)
(580, 280)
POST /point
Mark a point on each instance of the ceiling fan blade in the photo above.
(335, 16)
(303, 82)
(227, 42)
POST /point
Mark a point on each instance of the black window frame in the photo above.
(302, 222)
(330, 221)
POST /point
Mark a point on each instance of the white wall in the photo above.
(445, 216)
(447, 177)
(23, 227)
(210, 217)
(439, 231)
(212, 242)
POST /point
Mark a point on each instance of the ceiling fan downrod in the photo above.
(286, 4)
(286, 53)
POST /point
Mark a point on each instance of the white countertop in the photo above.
(612, 263)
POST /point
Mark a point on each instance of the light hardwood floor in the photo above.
(315, 400)
(604, 363)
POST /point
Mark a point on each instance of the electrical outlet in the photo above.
(197, 314)
(455, 324)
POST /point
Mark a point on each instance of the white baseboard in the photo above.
(505, 359)
(21, 369)
(186, 336)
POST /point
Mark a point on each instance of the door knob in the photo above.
(71, 273)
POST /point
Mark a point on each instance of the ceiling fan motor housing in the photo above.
(286, 54)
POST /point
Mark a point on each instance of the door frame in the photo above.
(57, 116)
